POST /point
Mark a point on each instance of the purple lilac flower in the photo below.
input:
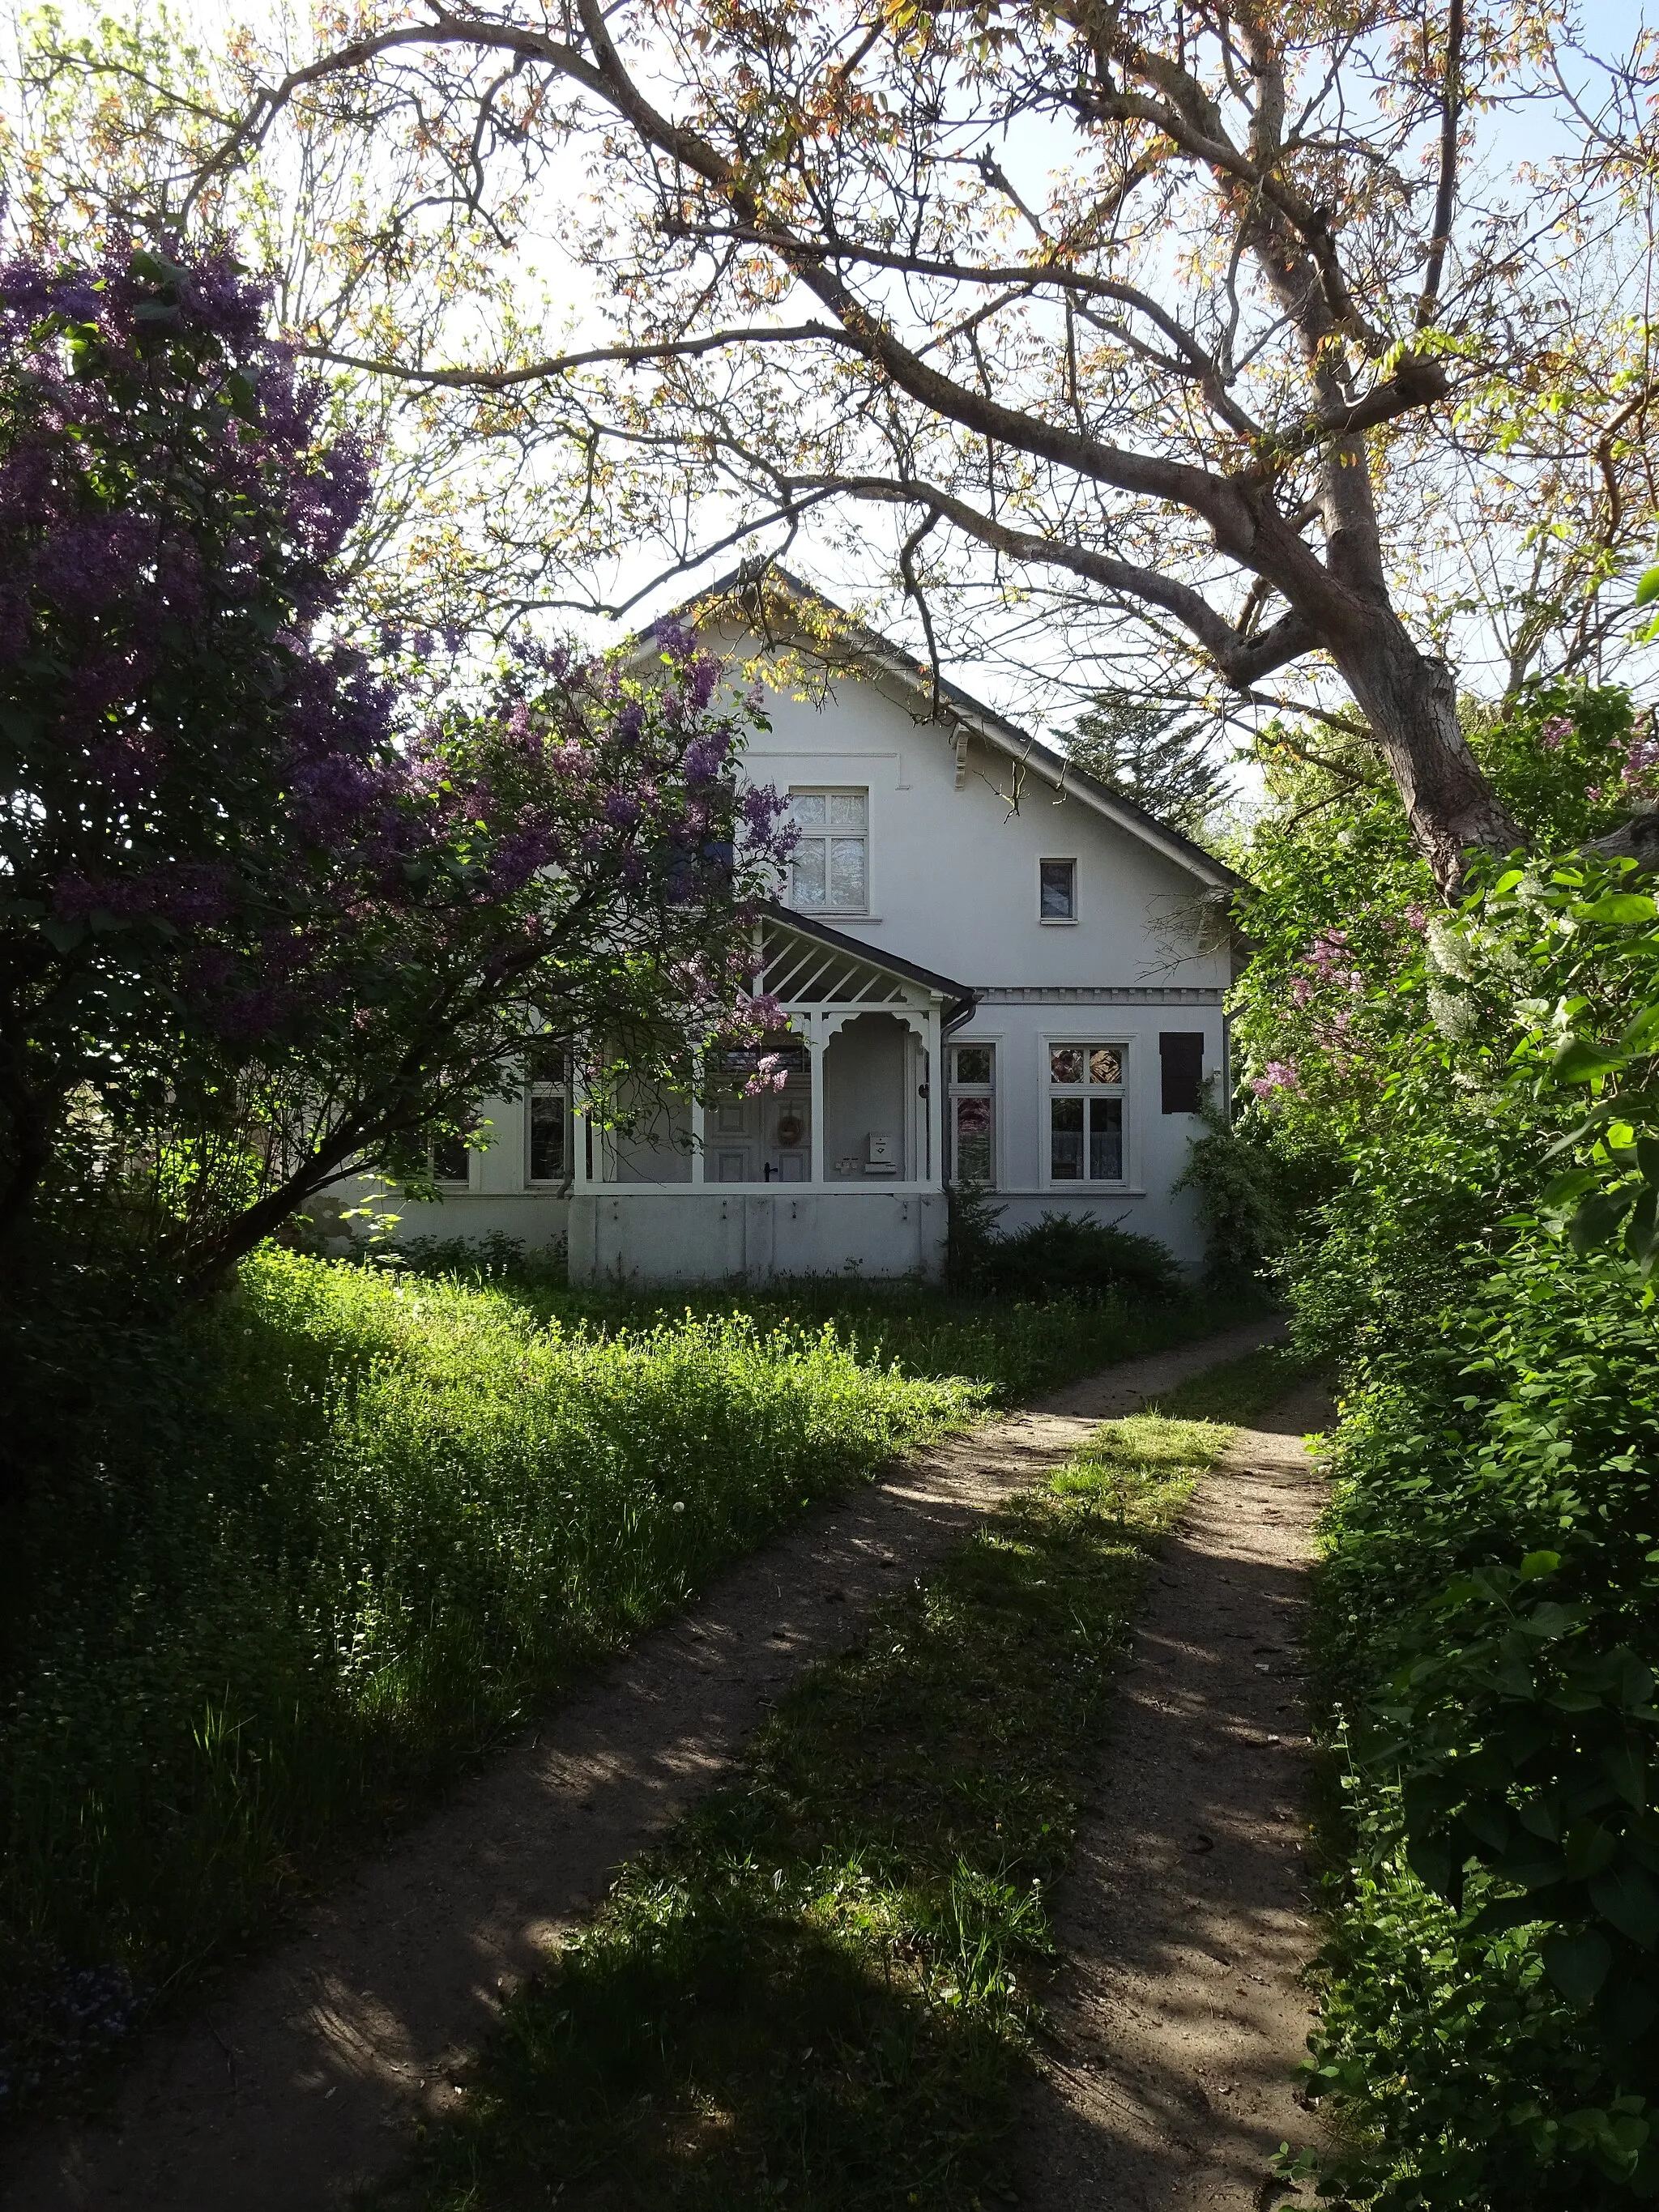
(1279, 1075)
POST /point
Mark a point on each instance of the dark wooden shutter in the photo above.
(1180, 1059)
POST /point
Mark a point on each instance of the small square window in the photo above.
(1057, 891)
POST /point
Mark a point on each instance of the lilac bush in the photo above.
(265, 912)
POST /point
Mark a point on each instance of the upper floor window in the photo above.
(829, 867)
(1086, 1113)
(1057, 891)
(548, 1113)
(971, 1124)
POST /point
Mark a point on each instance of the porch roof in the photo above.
(807, 962)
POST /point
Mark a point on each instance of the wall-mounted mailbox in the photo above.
(879, 1155)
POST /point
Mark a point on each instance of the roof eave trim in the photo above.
(993, 728)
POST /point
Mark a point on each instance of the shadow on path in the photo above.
(304, 2082)
(1167, 2083)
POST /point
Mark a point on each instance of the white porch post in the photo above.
(579, 1136)
(935, 1099)
(816, 1043)
(697, 1129)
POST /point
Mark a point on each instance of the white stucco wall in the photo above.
(953, 885)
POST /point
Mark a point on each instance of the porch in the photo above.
(836, 1164)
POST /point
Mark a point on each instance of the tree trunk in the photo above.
(32, 1158)
(1409, 700)
(209, 1271)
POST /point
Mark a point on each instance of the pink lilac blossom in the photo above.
(1277, 1075)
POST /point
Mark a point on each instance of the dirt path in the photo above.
(1167, 2084)
(305, 2079)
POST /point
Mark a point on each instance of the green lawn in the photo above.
(821, 1991)
(306, 1555)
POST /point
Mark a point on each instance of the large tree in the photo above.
(1192, 310)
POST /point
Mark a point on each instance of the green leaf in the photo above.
(1619, 906)
(1647, 589)
(1598, 1219)
(1581, 1061)
(1627, 1897)
(1430, 1860)
(1577, 1964)
(1626, 1768)
(1537, 1565)
(1590, 1849)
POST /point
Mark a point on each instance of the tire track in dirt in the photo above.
(1180, 2016)
(304, 2081)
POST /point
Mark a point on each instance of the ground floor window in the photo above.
(970, 1123)
(1180, 1063)
(548, 1113)
(1086, 1113)
(452, 1161)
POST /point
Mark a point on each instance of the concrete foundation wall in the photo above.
(703, 1236)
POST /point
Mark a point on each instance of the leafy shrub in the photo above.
(1491, 1637)
(1059, 1256)
(1250, 1195)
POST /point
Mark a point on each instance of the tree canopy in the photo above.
(1224, 319)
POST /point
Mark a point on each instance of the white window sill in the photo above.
(1057, 921)
(829, 913)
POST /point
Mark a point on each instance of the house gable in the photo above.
(963, 812)
(776, 609)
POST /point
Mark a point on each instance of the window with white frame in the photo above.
(970, 1123)
(1086, 1113)
(547, 1114)
(1056, 890)
(452, 1161)
(829, 866)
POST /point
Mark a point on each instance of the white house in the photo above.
(994, 970)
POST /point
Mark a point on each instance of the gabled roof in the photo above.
(823, 964)
(959, 713)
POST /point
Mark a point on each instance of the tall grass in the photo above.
(350, 1526)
